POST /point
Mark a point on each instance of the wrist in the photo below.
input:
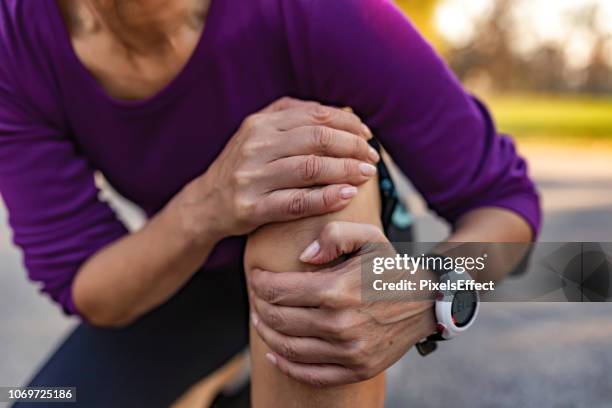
(195, 213)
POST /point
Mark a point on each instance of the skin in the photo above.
(134, 48)
(315, 328)
(310, 144)
(264, 176)
(238, 193)
(277, 247)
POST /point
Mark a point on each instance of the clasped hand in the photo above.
(315, 323)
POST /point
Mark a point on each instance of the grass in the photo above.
(556, 119)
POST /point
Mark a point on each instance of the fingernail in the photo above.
(348, 192)
(271, 358)
(254, 318)
(310, 252)
(367, 169)
(373, 155)
(367, 132)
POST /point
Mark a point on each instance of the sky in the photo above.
(538, 22)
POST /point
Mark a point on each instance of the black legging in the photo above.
(153, 362)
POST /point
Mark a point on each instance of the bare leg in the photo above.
(277, 248)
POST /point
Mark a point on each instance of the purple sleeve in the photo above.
(365, 54)
(49, 191)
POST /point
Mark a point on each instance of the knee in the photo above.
(276, 247)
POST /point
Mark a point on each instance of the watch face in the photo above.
(464, 307)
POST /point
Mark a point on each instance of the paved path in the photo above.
(528, 355)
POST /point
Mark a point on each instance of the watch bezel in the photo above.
(446, 325)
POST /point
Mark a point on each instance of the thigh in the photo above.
(154, 361)
(276, 248)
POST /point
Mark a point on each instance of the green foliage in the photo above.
(554, 118)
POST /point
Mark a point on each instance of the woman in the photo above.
(174, 103)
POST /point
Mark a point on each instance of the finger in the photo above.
(292, 204)
(302, 289)
(340, 238)
(304, 171)
(324, 141)
(317, 375)
(288, 103)
(295, 321)
(299, 349)
(320, 115)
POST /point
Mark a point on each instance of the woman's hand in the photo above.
(292, 160)
(319, 330)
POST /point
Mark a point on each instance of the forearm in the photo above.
(505, 237)
(262, 176)
(135, 274)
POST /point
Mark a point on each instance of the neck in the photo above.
(146, 25)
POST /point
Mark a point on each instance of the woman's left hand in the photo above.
(319, 330)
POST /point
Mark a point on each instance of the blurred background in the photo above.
(544, 66)
(545, 69)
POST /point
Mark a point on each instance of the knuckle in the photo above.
(339, 296)
(287, 349)
(349, 167)
(333, 297)
(254, 146)
(373, 229)
(359, 147)
(323, 137)
(353, 359)
(333, 231)
(353, 119)
(247, 150)
(284, 101)
(312, 168)
(241, 178)
(361, 360)
(327, 327)
(378, 234)
(344, 325)
(254, 121)
(313, 380)
(335, 331)
(357, 350)
(256, 283)
(345, 328)
(328, 198)
(274, 318)
(270, 294)
(321, 114)
(298, 204)
(362, 374)
(356, 120)
(245, 207)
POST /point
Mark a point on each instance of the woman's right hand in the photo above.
(292, 160)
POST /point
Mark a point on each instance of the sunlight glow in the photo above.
(536, 22)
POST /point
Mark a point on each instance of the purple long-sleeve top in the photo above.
(58, 126)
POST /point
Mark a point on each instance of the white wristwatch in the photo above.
(455, 310)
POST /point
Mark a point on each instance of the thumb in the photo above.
(340, 238)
